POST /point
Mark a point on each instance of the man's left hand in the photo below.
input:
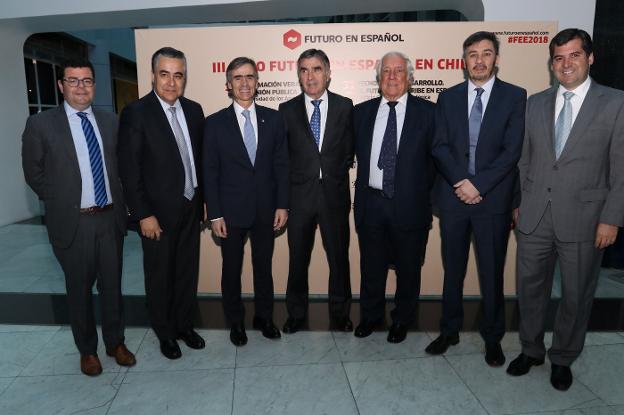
(466, 192)
(605, 235)
(281, 216)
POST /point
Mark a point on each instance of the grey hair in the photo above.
(408, 64)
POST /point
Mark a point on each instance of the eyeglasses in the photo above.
(74, 82)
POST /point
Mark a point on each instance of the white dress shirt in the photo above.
(485, 96)
(309, 106)
(182, 121)
(241, 118)
(576, 101)
(87, 198)
(375, 179)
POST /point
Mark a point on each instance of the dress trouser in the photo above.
(171, 273)
(95, 255)
(262, 240)
(334, 227)
(491, 236)
(579, 263)
(382, 244)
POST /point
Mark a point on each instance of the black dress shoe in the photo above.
(494, 354)
(365, 329)
(170, 349)
(238, 337)
(521, 365)
(442, 343)
(560, 377)
(269, 330)
(341, 324)
(192, 339)
(397, 333)
(293, 325)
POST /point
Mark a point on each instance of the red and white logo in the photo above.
(292, 39)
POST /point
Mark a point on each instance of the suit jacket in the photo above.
(51, 169)
(335, 157)
(497, 153)
(414, 165)
(585, 186)
(151, 168)
(242, 193)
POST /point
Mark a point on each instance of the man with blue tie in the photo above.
(478, 140)
(246, 191)
(69, 160)
(395, 172)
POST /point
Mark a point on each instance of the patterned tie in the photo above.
(387, 155)
(563, 124)
(249, 138)
(95, 159)
(189, 190)
(474, 126)
(315, 121)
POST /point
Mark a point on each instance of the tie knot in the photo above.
(479, 92)
(392, 104)
(173, 110)
(316, 102)
(246, 114)
(82, 115)
(568, 95)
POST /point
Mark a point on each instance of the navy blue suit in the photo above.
(246, 196)
(394, 230)
(497, 153)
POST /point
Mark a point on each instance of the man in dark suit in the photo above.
(478, 141)
(246, 191)
(319, 127)
(160, 138)
(69, 160)
(572, 179)
(395, 172)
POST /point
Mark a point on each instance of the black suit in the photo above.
(325, 202)
(394, 230)
(153, 175)
(246, 197)
(496, 174)
(88, 246)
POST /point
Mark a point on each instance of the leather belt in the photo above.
(96, 209)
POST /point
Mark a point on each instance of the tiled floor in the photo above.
(28, 265)
(304, 373)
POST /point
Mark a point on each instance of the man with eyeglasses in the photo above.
(159, 152)
(69, 160)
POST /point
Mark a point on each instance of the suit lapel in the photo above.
(65, 136)
(262, 133)
(460, 104)
(235, 132)
(329, 123)
(302, 116)
(548, 120)
(162, 124)
(490, 112)
(585, 115)
(369, 125)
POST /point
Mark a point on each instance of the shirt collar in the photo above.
(402, 100)
(580, 90)
(166, 106)
(239, 109)
(69, 110)
(487, 87)
(308, 99)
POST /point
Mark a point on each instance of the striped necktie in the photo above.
(95, 159)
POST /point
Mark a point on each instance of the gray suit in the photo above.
(563, 201)
(88, 246)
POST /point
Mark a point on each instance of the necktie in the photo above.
(249, 137)
(474, 126)
(189, 190)
(387, 155)
(563, 124)
(95, 159)
(315, 121)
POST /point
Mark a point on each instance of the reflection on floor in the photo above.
(27, 265)
(304, 373)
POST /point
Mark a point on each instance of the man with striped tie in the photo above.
(69, 160)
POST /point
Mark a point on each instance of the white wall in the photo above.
(19, 19)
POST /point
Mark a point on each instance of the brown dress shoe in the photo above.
(122, 355)
(90, 365)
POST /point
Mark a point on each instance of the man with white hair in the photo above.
(392, 209)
